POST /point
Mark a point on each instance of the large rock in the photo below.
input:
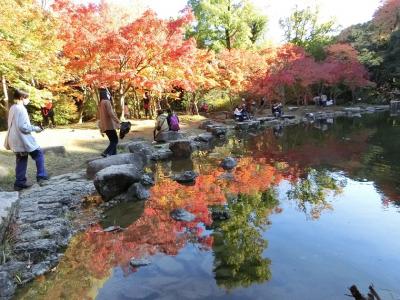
(115, 180)
(136, 192)
(141, 147)
(202, 146)
(181, 148)
(147, 179)
(228, 163)
(97, 165)
(37, 250)
(186, 177)
(219, 131)
(139, 191)
(7, 287)
(167, 136)
(206, 123)
(161, 154)
(204, 137)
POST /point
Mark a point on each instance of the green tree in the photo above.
(226, 24)
(378, 42)
(29, 49)
(371, 48)
(304, 28)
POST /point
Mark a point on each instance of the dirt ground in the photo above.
(82, 142)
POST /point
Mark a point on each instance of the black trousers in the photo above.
(113, 138)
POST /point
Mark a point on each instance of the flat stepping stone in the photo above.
(288, 117)
(353, 109)
(264, 119)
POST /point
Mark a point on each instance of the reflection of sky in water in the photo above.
(358, 243)
(311, 259)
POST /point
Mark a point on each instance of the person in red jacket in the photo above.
(48, 113)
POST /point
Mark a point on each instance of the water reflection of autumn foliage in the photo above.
(305, 147)
(237, 243)
(155, 231)
(96, 252)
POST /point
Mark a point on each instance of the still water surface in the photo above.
(314, 209)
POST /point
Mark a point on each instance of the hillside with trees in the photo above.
(215, 50)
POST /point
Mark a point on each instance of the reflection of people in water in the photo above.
(278, 130)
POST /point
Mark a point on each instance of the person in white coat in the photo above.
(20, 140)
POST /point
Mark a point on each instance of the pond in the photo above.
(313, 210)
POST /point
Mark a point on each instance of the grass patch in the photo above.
(55, 165)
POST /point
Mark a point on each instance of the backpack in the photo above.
(174, 123)
(125, 127)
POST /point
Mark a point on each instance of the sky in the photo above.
(346, 12)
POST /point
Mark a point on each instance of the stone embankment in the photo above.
(43, 228)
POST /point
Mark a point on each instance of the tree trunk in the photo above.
(122, 104)
(95, 95)
(136, 107)
(230, 101)
(5, 92)
(82, 105)
(122, 101)
(5, 100)
(283, 95)
(227, 33)
(227, 39)
(195, 109)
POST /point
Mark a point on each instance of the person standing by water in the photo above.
(20, 140)
(108, 122)
(161, 124)
(146, 104)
